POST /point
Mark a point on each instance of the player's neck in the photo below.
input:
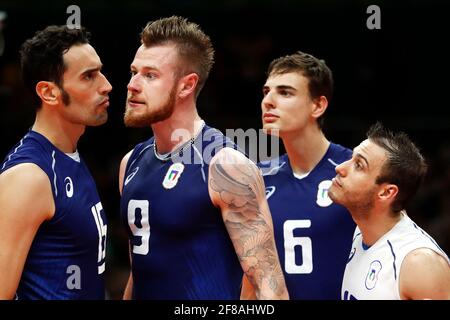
(374, 226)
(61, 134)
(305, 149)
(176, 130)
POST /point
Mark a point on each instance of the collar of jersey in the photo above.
(187, 144)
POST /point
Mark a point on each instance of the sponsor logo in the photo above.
(131, 175)
(69, 187)
(270, 191)
(352, 254)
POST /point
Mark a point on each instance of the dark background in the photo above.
(398, 75)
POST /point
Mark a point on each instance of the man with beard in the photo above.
(391, 257)
(52, 225)
(194, 207)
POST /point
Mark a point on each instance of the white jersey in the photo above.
(372, 273)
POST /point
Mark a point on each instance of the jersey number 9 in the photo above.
(143, 228)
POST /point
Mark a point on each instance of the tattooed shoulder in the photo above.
(234, 178)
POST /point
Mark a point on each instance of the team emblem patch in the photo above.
(172, 175)
(323, 199)
(372, 274)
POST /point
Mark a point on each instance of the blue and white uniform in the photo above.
(66, 259)
(373, 272)
(180, 248)
(313, 235)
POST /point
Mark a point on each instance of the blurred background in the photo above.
(398, 75)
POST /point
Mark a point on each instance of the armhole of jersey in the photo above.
(132, 157)
(40, 166)
(402, 258)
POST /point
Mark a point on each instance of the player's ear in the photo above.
(187, 85)
(388, 192)
(319, 106)
(48, 92)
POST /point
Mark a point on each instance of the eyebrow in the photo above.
(92, 70)
(281, 87)
(145, 68)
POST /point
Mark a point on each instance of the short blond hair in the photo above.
(193, 45)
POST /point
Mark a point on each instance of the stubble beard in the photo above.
(361, 205)
(91, 119)
(134, 120)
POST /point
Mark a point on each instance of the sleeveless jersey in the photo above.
(66, 259)
(180, 248)
(313, 235)
(372, 273)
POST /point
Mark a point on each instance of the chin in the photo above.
(271, 130)
(97, 120)
(333, 197)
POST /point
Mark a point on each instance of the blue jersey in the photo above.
(66, 259)
(313, 235)
(180, 248)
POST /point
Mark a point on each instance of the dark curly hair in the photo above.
(41, 57)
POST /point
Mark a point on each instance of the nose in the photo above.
(341, 169)
(106, 86)
(267, 101)
(134, 84)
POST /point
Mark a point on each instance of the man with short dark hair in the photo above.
(312, 233)
(52, 224)
(391, 258)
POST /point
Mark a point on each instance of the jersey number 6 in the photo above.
(290, 242)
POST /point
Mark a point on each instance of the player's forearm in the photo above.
(128, 292)
(7, 290)
(239, 189)
(247, 290)
(260, 263)
(9, 277)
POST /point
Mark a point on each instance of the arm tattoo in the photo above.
(241, 189)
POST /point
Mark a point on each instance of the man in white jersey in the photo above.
(391, 257)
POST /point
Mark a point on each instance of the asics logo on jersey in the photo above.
(352, 254)
(69, 187)
(131, 175)
(269, 191)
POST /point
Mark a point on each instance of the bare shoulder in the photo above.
(124, 162)
(24, 175)
(232, 174)
(434, 271)
(230, 156)
(23, 187)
